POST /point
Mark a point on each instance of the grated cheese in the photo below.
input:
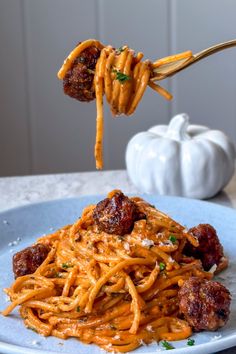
(147, 243)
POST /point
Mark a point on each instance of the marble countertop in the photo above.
(17, 191)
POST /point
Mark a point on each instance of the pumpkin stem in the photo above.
(177, 128)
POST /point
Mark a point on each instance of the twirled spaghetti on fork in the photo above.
(92, 70)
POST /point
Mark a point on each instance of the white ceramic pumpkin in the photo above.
(180, 159)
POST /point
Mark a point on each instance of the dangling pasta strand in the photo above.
(123, 78)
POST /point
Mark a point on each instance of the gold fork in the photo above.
(162, 71)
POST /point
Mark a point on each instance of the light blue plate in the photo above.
(30, 222)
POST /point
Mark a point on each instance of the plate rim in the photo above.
(103, 195)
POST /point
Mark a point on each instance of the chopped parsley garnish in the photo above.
(162, 266)
(172, 238)
(57, 275)
(121, 76)
(66, 265)
(78, 309)
(190, 342)
(167, 345)
(91, 71)
(120, 50)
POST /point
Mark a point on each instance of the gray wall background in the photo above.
(43, 131)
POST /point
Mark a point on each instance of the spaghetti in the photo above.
(118, 292)
(123, 77)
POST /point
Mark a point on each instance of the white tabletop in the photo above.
(17, 191)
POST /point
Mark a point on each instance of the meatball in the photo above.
(116, 215)
(29, 259)
(205, 304)
(78, 81)
(210, 250)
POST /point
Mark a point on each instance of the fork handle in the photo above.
(195, 58)
(214, 49)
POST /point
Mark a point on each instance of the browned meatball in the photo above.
(210, 250)
(116, 215)
(78, 81)
(29, 259)
(205, 304)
